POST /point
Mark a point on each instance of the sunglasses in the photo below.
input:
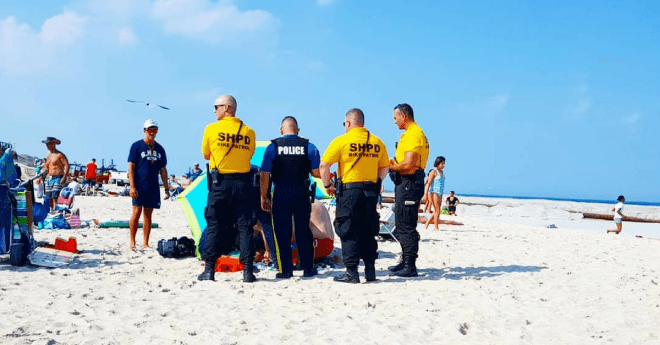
(222, 105)
(398, 106)
(152, 130)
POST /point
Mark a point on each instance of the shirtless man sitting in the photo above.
(57, 169)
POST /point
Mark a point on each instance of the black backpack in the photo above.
(176, 248)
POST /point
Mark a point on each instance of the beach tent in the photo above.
(193, 198)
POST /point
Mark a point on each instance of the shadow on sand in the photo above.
(458, 273)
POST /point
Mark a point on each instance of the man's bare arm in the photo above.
(408, 165)
(65, 166)
(382, 172)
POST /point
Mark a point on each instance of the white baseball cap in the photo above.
(150, 123)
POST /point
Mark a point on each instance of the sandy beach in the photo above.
(501, 278)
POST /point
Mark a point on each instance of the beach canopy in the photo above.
(193, 198)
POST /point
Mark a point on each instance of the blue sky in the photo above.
(556, 99)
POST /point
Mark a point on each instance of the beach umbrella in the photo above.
(193, 198)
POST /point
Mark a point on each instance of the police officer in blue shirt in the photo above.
(288, 161)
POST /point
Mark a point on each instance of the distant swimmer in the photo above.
(148, 104)
(618, 215)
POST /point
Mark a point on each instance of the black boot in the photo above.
(370, 272)
(248, 275)
(209, 271)
(351, 276)
(409, 269)
(310, 272)
(398, 266)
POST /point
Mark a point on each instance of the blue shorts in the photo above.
(617, 220)
(90, 183)
(53, 186)
(147, 199)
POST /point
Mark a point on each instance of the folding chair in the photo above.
(387, 222)
(65, 199)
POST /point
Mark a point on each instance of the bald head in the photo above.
(289, 126)
(356, 117)
(228, 102)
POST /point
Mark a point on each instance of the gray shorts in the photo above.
(617, 220)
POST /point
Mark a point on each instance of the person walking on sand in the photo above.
(434, 187)
(90, 177)
(146, 160)
(618, 215)
(407, 172)
(228, 144)
(57, 170)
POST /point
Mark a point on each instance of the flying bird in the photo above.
(148, 104)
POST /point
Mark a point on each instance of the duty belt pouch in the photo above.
(419, 184)
(339, 188)
(312, 193)
(395, 177)
(208, 178)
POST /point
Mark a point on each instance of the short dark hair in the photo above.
(438, 161)
(93, 160)
(620, 198)
(291, 118)
(452, 192)
(407, 110)
(357, 114)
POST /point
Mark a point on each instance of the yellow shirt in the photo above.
(346, 149)
(220, 136)
(413, 140)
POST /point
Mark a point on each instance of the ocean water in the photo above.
(596, 201)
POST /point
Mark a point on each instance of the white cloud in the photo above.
(62, 29)
(126, 37)
(498, 101)
(632, 119)
(211, 21)
(23, 50)
(324, 2)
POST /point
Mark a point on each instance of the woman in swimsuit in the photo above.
(434, 187)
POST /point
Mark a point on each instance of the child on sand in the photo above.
(434, 188)
(618, 216)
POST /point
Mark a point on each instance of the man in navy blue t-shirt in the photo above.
(146, 161)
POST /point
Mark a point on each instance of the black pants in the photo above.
(292, 202)
(356, 224)
(229, 202)
(407, 196)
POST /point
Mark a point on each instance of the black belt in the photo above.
(412, 176)
(233, 176)
(359, 185)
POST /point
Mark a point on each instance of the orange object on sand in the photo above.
(322, 248)
(228, 264)
(70, 245)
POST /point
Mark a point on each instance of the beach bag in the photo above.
(176, 248)
(56, 221)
